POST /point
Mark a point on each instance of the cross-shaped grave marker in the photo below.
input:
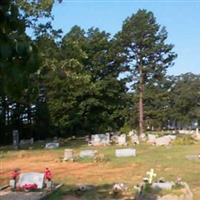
(151, 175)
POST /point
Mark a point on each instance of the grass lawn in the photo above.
(168, 162)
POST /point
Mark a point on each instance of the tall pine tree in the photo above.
(148, 55)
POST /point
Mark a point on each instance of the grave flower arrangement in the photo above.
(13, 178)
(47, 174)
(48, 179)
(15, 174)
(29, 187)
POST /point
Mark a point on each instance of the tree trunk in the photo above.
(141, 105)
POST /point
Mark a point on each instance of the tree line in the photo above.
(88, 81)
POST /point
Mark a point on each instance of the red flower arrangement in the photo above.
(47, 174)
(15, 174)
(30, 186)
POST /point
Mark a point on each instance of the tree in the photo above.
(184, 99)
(19, 59)
(148, 55)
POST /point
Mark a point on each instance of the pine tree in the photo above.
(144, 44)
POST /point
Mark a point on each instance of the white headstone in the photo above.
(31, 178)
(125, 152)
(133, 132)
(87, 153)
(163, 186)
(135, 139)
(52, 145)
(68, 154)
(100, 139)
(143, 137)
(151, 139)
(163, 141)
(121, 140)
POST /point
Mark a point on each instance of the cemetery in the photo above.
(98, 101)
(117, 175)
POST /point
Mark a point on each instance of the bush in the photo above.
(184, 140)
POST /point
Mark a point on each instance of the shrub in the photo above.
(184, 140)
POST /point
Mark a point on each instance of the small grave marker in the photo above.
(15, 139)
(52, 145)
(125, 152)
(87, 153)
(68, 154)
(151, 175)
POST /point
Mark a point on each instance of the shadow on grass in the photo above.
(38, 145)
(72, 192)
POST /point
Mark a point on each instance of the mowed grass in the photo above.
(168, 162)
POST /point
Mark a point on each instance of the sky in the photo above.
(180, 17)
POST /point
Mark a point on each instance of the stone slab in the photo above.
(31, 178)
(52, 145)
(129, 152)
(163, 186)
(87, 153)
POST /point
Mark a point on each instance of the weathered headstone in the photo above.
(193, 157)
(129, 152)
(133, 132)
(196, 136)
(134, 139)
(52, 145)
(87, 153)
(100, 139)
(68, 154)
(31, 178)
(164, 141)
(163, 186)
(121, 140)
(143, 137)
(151, 139)
(15, 139)
(26, 142)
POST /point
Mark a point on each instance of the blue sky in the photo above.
(181, 18)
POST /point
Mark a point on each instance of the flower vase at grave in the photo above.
(49, 185)
(14, 176)
(12, 184)
(48, 179)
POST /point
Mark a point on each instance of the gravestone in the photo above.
(162, 186)
(121, 140)
(87, 153)
(52, 145)
(129, 152)
(143, 137)
(133, 132)
(164, 141)
(193, 157)
(31, 178)
(26, 142)
(135, 139)
(151, 139)
(100, 139)
(68, 154)
(15, 139)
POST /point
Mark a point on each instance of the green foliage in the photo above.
(185, 98)
(83, 89)
(184, 140)
(18, 55)
(125, 128)
(144, 43)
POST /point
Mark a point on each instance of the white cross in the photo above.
(151, 175)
